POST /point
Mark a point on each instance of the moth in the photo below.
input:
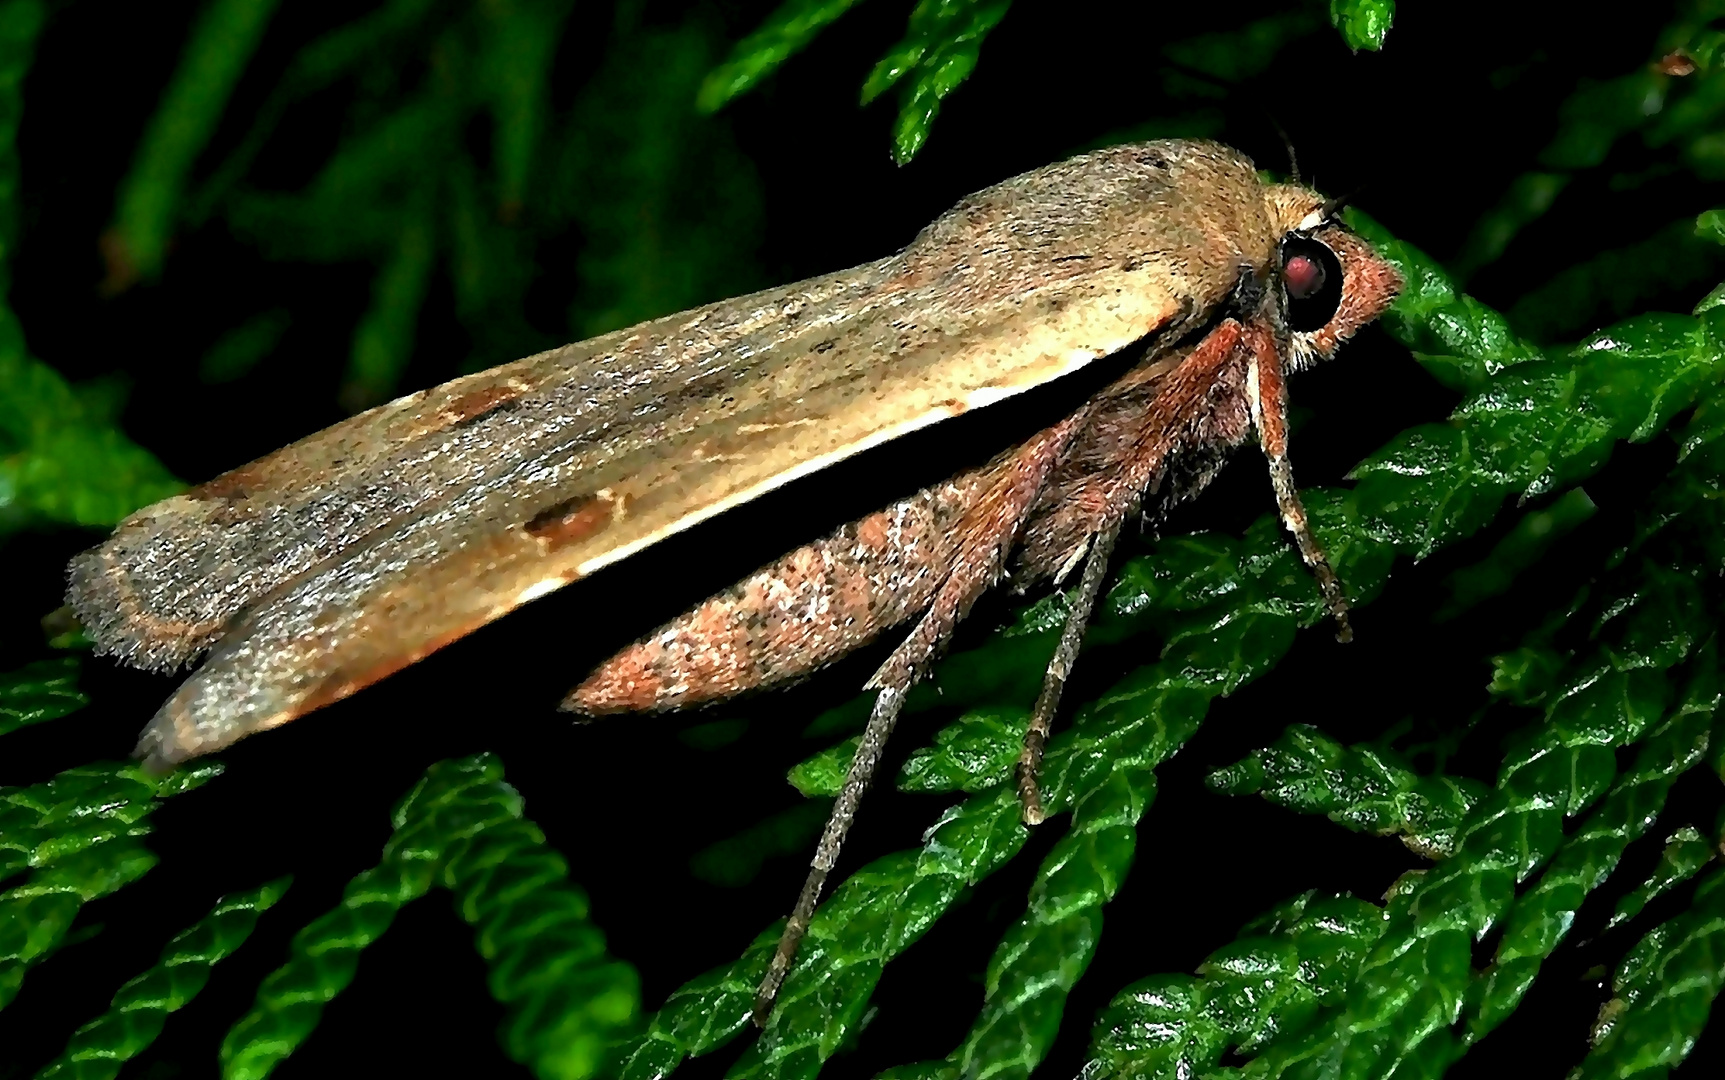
(325, 566)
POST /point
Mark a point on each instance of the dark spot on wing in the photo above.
(479, 403)
(573, 520)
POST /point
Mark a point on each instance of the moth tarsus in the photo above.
(319, 569)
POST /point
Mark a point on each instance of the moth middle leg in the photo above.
(1194, 398)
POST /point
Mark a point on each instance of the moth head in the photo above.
(1330, 281)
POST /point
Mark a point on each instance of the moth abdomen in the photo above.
(794, 616)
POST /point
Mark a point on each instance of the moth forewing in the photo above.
(333, 562)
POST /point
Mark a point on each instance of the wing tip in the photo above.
(156, 755)
(99, 592)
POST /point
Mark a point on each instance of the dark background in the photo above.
(1430, 131)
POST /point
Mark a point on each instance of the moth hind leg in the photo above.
(988, 532)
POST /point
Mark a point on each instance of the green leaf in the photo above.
(241, 349)
(44, 690)
(1598, 114)
(1615, 283)
(669, 207)
(1285, 965)
(1428, 487)
(383, 340)
(1714, 298)
(1233, 55)
(516, 54)
(1525, 675)
(1664, 991)
(1527, 200)
(223, 39)
(82, 808)
(786, 32)
(100, 1048)
(1361, 788)
(1532, 537)
(1544, 914)
(1710, 225)
(736, 860)
(1686, 853)
(979, 751)
(823, 775)
(35, 915)
(58, 462)
(938, 52)
(1363, 23)
(1552, 770)
(62, 460)
(462, 828)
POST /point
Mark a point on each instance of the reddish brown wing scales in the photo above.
(576, 520)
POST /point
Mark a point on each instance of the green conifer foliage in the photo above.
(1576, 809)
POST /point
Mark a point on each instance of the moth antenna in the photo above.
(1059, 667)
(1288, 145)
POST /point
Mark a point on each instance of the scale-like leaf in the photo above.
(101, 1048)
(1363, 23)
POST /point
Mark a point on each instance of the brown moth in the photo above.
(329, 564)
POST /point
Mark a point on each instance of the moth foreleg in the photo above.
(987, 533)
(1266, 389)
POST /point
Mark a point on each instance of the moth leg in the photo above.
(882, 718)
(1059, 667)
(989, 530)
(1120, 458)
(1267, 390)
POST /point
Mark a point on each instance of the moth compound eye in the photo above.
(1312, 279)
(1304, 275)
